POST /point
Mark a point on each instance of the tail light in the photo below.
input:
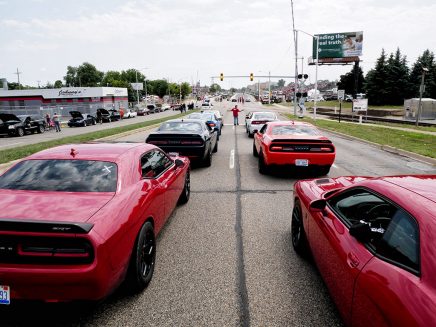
(157, 142)
(276, 148)
(189, 142)
(321, 149)
(212, 125)
(256, 122)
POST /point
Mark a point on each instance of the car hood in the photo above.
(51, 206)
(10, 118)
(103, 111)
(76, 114)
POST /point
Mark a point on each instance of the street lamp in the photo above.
(421, 90)
(316, 70)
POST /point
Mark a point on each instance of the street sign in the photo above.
(360, 104)
(137, 86)
(341, 94)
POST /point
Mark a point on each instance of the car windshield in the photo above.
(61, 176)
(179, 126)
(294, 130)
(264, 115)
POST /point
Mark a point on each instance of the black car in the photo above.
(19, 125)
(192, 138)
(80, 119)
(108, 115)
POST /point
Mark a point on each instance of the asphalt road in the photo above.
(225, 258)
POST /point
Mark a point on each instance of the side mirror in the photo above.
(361, 232)
(318, 205)
(179, 163)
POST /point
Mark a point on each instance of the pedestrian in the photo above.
(48, 120)
(99, 117)
(56, 122)
(235, 112)
(181, 109)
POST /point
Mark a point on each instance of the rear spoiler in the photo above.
(43, 226)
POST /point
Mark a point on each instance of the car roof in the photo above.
(90, 151)
(424, 185)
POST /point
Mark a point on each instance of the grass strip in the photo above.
(423, 144)
(26, 150)
(346, 105)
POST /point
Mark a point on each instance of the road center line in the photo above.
(232, 159)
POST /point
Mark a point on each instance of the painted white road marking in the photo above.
(232, 159)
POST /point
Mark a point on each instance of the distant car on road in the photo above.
(373, 242)
(192, 138)
(13, 125)
(79, 220)
(217, 114)
(210, 118)
(293, 144)
(129, 113)
(79, 119)
(256, 121)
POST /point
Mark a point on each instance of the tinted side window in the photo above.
(153, 163)
(394, 233)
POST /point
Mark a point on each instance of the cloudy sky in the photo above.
(180, 40)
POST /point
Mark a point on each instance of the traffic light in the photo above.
(251, 77)
(221, 76)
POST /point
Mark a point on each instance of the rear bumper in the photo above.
(192, 153)
(286, 158)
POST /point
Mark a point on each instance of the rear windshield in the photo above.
(294, 130)
(61, 176)
(264, 116)
(179, 126)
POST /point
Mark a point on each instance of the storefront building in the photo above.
(63, 100)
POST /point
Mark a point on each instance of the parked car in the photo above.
(330, 96)
(348, 98)
(166, 107)
(130, 113)
(63, 236)
(108, 115)
(80, 119)
(192, 138)
(152, 108)
(372, 240)
(114, 114)
(142, 110)
(295, 144)
(257, 120)
(14, 125)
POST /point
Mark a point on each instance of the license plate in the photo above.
(5, 292)
(301, 162)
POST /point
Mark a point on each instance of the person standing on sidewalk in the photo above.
(56, 122)
(235, 112)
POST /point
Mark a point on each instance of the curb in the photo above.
(387, 148)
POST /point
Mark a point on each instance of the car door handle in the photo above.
(352, 260)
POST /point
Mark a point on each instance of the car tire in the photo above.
(84, 123)
(255, 153)
(298, 235)
(207, 162)
(324, 170)
(263, 167)
(184, 197)
(250, 135)
(20, 131)
(41, 129)
(215, 148)
(94, 122)
(143, 259)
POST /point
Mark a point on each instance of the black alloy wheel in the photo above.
(208, 160)
(20, 131)
(94, 122)
(186, 193)
(263, 168)
(299, 241)
(41, 129)
(255, 153)
(143, 259)
(84, 123)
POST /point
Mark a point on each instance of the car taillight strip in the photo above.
(322, 148)
(40, 226)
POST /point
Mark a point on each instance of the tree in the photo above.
(214, 88)
(347, 81)
(58, 84)
(159, 87)
(397, 79)
(71, 77)
(186, 89)
(427, 60)
(375, 81)
(88, 75)
(281, 83)
(14, 86)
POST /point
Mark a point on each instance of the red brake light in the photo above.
(256, 122)
(158, 142)
(276, 148)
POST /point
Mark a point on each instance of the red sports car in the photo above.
(78, 220)
(290, 143)
(373, 240)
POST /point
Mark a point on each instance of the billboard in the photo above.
(338, 45)
(137, 86)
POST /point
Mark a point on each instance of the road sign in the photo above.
(341, 94)
(137, 86)
(360, 104)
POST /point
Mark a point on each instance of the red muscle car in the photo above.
(78, 220)
(373, 241)
(296, 144)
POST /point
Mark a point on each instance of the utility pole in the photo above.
(137, 91)
(296, 70)
(421, 90)
(18, 74)
(39, 84)
(269, 87)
